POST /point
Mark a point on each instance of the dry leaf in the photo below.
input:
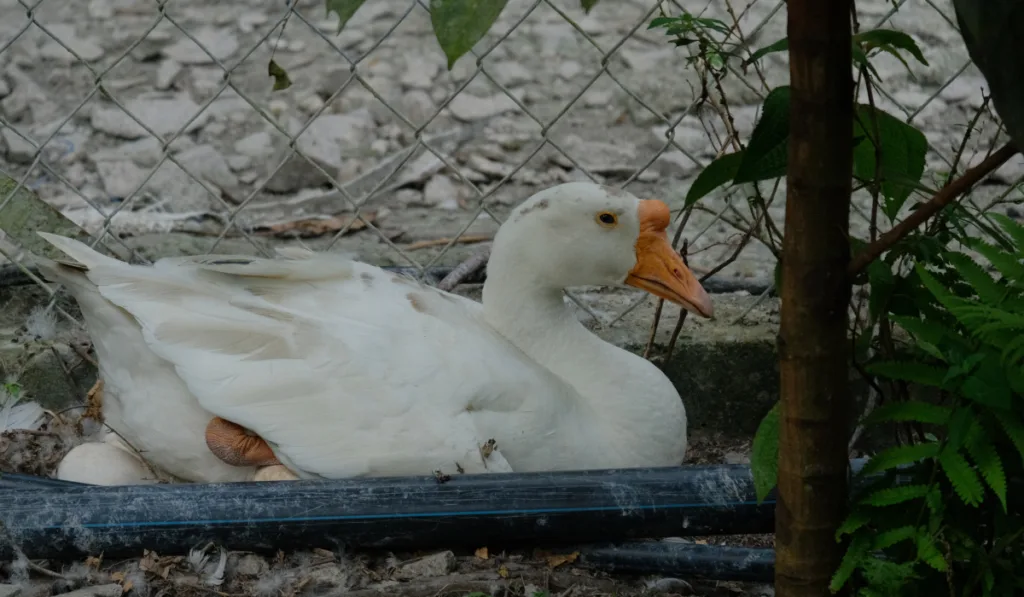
(481, 553)
(557, 560)
(149, 561)
(117, 576)
(94, 562)
(127, 586)
(701, 541)
(318, 226)
(503, 571)
(323, 552)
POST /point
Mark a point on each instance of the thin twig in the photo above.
(465, 239)
(464, 270)
(944, 197)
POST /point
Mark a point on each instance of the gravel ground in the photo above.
(236, 152)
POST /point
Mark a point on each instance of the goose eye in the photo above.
(607, 219)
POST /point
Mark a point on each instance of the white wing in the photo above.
(344, 368)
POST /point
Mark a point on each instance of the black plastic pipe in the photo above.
(684, 560)
(393, 513)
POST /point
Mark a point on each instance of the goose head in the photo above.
(585, 234)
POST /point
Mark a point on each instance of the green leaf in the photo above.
(1007, 263)
(459, 24)
(965, 481)
(900, 455)
(890, 496)
(903, 149)
(883, 283)
(780, 46)
(714, 175)
(281, 80)
(985, 456)
(851, 560)
(893, 536)
(876, 38)
(764, 457)
(1012, 228)
(588, 4)
(911, 371)
(987, 385)
(989, 291)
(1014, 430)
(766, 154)
(928, 553)
(344, 9)
(911, 410)
(856, 520)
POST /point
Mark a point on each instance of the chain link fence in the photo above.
(153, 124)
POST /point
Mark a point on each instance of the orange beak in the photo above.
(659, 269)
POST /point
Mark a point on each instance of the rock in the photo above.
(5, 87)
(410, 197)
(100, 9)
(598, 157)
(597, 98)
(469, 108)
(111, 590)
(439, 189)
(165, 116)
(169, 182)
(206, 163)
(431, 566)
(417, 106)
(10, 591)
(120, 177)
(311, 103)
(239, 162)
(674, 163)
(27, 101)
(569, 69)
(330, 135)
(85, 48)
(489, 167)
(221, 43)
(249, 21)
(967, 90)
(251, 565)
(166, 73)
(145, 152)
(18, 150)
(420, 73)
(256, 145)
(511, 73)
(736, 458)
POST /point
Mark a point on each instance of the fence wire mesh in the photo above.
(153, 124)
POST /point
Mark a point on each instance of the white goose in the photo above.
(342, 369)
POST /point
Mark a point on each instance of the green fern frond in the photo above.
(934, 501)
(1007, 263)
(965, 481)
(1014, 430)
(989, 291)
(1012, 228)
(938, 289)
(929, 553)
(856, 520)
(900, 455)
(852, 559)
(891, 496)
(911, 371)
(985, 456)
(891, 537)
(911, 410)
(930, 331)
